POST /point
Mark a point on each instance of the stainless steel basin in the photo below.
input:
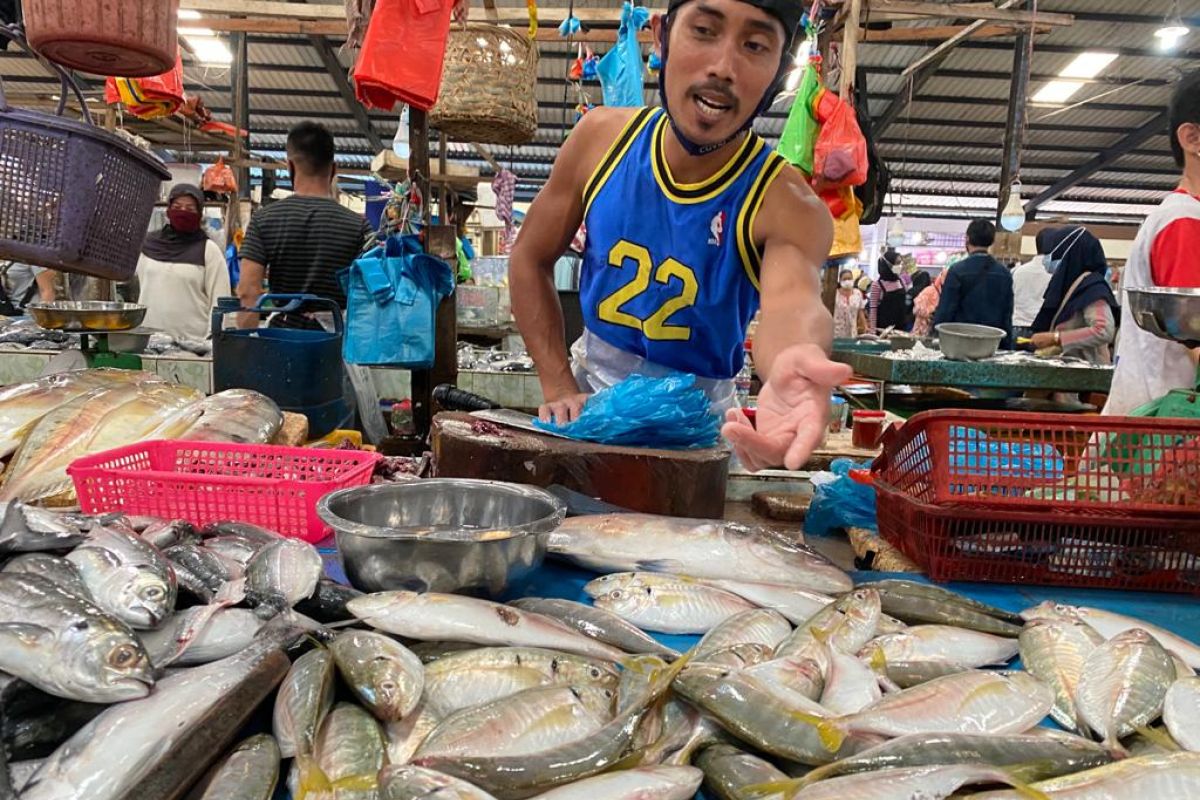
(1172, 314)
(442, 534)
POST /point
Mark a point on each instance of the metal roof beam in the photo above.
(1150, 129)
(338, 73)
(916, 82)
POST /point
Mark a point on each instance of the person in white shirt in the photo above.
(1029, 288)
(181, 271)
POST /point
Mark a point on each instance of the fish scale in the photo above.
(1123, 685)
(1056, 652)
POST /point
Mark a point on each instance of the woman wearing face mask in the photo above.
(1079, 312)
(849, 320)
(925, 306)
(181, 271)
(888, 295)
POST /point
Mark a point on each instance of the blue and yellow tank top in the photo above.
(670, 271)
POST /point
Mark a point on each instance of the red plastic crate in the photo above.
(204, 482)
(1052, 499)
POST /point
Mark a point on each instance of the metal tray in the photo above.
(87, 315)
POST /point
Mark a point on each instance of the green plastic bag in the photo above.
(799, 135)
(1143, 454)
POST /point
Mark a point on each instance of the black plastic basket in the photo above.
(73, 197)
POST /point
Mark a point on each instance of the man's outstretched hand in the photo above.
(793, 410)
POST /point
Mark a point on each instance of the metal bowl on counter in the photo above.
(1172, 314)
(87, 315)
(441, 534)
(961, 341)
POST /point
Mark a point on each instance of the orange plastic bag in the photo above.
(219, 178)
(148, 98)
(840, 154)
(401, 57)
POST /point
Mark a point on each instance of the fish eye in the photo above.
(594, 672)
(81, 625)
(649, 590)
(153, 593)
(616, 594)
(122, 656)
(387, 686)
(554, 665)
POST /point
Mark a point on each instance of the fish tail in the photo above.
(786, 788)
(1160, 738)
(312, 778)
(831, 735)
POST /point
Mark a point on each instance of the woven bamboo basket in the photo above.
(489, 82)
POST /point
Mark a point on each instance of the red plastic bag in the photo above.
(840, 154)
(219, 178)
(148, 98)
(401, 58)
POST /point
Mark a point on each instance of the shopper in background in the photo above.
(299, 245)
(978, 289)
(1029, 287)
(888, 298)
(1165, 253)
(849, 319)
(27, 284)
(181, 272)
(925, 306)
(1079, 312)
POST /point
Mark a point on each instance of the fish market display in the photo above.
(794, 686)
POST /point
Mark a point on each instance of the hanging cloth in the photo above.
(505, 186)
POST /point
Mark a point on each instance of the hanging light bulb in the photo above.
(1012, 218)
(1172, 29)
(895, 231)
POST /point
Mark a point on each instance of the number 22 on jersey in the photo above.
(655, 326)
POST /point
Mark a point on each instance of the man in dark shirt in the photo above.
(300, 244)
(978, 289)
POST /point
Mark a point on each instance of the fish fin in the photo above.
(23, 634)
(312, 777)
(832, 737)
(1115, 748)
(356, 783)
(231, 592)
(1160, 738)
(659, 565)
(820, 635)
(1028, 792)
(1029, 771)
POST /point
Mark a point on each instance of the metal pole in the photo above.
(1014, 130)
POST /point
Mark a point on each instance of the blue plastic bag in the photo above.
(669, 413)
(620, 69)
(392, 296)
(841, 502)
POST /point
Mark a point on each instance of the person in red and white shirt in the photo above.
(1165, 253)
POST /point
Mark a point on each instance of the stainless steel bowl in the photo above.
(1172, 314)
(87, 315)
(961, 341)
(442, 534)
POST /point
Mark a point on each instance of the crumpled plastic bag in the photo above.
(841, 502)
(669, 413)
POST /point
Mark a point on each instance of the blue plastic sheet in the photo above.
(392, 296)
(670, 413)
(842, 502)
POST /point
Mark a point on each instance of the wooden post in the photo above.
(850, 50)
(241, 110)
(1014, 130)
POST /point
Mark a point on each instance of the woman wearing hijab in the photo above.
(182, 272)
(888, 295)
(1079, 312)
(925, 305)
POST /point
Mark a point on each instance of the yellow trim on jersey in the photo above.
(721, 180)
(744, 230)
(613, 156)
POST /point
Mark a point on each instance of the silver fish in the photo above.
(755, 626)
(1123, 685)
(916, 603)
(235, 415)
(850, 685)
(418, 783)
(662, 603)
(1109, 624)
(59, 571)
(126, 577)
(440, 617)
(927, 783)
(847, 625)
(698, 548)
(729, 770)
(349, 754)
(67, 646)
(201, 571)
(601, 625)
(282, 574)
(168, 533)
(383, 673)
(115, 751)
(1165, 777)
(924, 652)
(405, 737)
(304, 698)
(797, 604)
(1055, 652)
(233, 548)
(201, 634)
(27, 529)
(1181, 713)
(250, 772)
(642, 783)
(255, 533)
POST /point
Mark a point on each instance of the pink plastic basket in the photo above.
(204, 482)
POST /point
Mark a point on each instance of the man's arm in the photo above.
(249, 289)
(47, 289)
(551, 223)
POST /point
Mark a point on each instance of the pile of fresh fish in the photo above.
(48, 423)
(800, 685)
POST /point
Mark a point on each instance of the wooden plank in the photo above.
(973, 11)
(391, 167)
(266, 25)
(941, 33)
(965, 33)
(267, 8)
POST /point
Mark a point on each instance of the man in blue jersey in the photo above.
(693, 224)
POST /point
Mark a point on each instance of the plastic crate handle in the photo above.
(292, 302)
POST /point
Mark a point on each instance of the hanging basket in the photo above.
(73, 197)
(120, 38)
(489, 83)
